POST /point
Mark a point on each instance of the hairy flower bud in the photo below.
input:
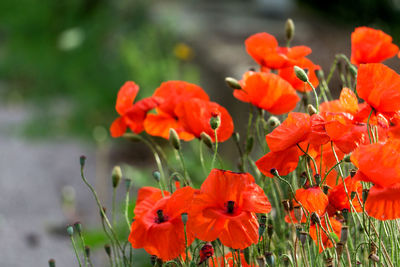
(215, 121)
(232, 83)
(206, 139)
(301, 74)
(289, 29)
(116, 176)
(174, 139)
(70, 230)
(52, 263)
(311, 110)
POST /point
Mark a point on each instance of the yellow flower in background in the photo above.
(183, 51)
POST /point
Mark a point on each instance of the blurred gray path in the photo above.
(32, 176)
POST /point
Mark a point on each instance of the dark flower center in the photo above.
(230, 206)
(160, 217)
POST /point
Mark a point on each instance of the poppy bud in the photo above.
(289, 29)
(298, 213)
(273, 121)
(132, 137)
(339, 248)
(157, 175)
(215, 121)
(365, 195)
(270, 258)
(286, 205)
(128, 183)
(116, 176)
(78, 227)
(232, 83)
(311, 110)
(206, 139)
(70, 230)
(82, 160)
(274, 172)
(315, 218)
(174, 139)
(373, 257)
(344, 233)
(206, 252)
(52, 263)
(303, 237)
(301, 74)
(184, 218)
(107, 248)
(249, 144)
(87, 251)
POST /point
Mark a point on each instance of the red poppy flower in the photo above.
(371, 46)
(158, 226)
(195, 114)
(264, 49)
(347, 103)
(131, 115)
(379, 86)
(172, 93)
(379, 163)
(284, 161)
(312, 199)
(317, 233)
(338, 199)
(226, 208)
(267, 91)
(289, 75)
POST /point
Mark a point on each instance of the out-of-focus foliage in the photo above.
(72, 57)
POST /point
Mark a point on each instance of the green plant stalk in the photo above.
(83, 246)
(75, 250)
(215, 149)
(315, 95)
(126, 209)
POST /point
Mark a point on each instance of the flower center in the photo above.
(230, 206)
(160, 217)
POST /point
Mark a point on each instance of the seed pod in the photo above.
(232, 83)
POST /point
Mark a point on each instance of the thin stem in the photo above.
(75, 250)
(315, 95)
(215, 149)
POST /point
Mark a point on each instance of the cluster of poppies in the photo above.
(361, 127)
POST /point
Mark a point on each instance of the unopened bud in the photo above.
(82, 160)
(249, 144)
(52, 263)
(78, 227)
(286, 205)
(289, 29)
(344, 233)
(70, 230)
(206, 139)
(132, 137)
(300, 73)
(315, 218)
(156, 175)
(311, 110)
(116, 176)
(184, 218)
(274, 172)
(128, 183)
(215, 121)
(373, 257)
(232, 83)
(269, 257)
(298, 213)
(303, 237)
(273, 121)
(107, 248)
(174, 139)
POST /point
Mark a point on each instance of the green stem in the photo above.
(75, 250)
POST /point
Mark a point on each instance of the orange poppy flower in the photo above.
(312, 199)
(195, 114)
(158, 226)
(317, 233)
(284, 161)
(338, 199)
(379, 163)
(226, 208)
(379, 86)
(289, 75)
(264, 49)
(267, 91)
(371, 46)
(172, 93)
(131, 115)
(347, 103)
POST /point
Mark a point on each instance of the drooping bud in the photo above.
(344, 233)
(273, 121)
(174, 139)
(298, 213)
(315, 218)
(289, 29)
(274, 172)
(52, 263)
(301, 74)
(232, 83)
(206, 139)
(184, 218)
(132, 137)
(303, 237)
(156, 175)
(78, 227)
(70, 230)
(215, 121)
(116, 176)
(249, 144)
(82, 160)
(107, 248)
(311, 110)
